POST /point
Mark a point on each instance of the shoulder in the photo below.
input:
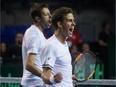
(32, 32)
(50, 44)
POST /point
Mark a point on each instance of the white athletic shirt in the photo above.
(32, 43)
(56, 56)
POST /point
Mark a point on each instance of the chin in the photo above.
(48, 26)
(70, 35)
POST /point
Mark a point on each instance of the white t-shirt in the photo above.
(56, 56)
(32, 43)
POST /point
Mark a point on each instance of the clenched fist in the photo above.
(58, 77)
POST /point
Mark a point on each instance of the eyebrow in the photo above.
(69, 19)
(46, 13)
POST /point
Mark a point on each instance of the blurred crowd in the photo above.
(13, 53)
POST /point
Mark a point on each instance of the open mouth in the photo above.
(49, 23)
(71, 31)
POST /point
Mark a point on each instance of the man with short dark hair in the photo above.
(32, 43)
(56, 58)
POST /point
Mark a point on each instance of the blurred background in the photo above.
(95, 31)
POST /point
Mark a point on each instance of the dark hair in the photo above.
(60, 14)
(104, 24)
(36, 10)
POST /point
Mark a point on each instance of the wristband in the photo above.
(52, 80)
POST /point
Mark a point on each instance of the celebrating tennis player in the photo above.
(32, 43)
(56, 59)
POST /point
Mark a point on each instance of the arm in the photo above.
(48, 79)
(33, 45)
(102, 43)
(48, 57)
(30, 66)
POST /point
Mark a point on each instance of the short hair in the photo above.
(36, 10)
(59, 15)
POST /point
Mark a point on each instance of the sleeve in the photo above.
(33, 44)
(48, 56)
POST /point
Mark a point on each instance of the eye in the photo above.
(70, 20)
(45, 14)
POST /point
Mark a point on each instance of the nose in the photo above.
(50, 15)
(73, 23)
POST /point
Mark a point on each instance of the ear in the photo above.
(37, 18)
(59, 24)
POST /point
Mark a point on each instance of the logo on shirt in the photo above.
(49, 58)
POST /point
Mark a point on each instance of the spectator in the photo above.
(73, 49)
(74, 52)
(2, 53)
(85, 47)
(2, 50)
(15, 51)
(103, 43)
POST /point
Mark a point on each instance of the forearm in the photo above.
(33, 69)
(49, 79)
(102, 43)
(46, 75)
(30, 66)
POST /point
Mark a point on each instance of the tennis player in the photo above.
(32, 42)
(56, 59)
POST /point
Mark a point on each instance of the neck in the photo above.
(39, 26)
(60, 37)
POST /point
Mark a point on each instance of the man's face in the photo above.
(85, 47)
(19, 38)
(68, 25)
(46, 18)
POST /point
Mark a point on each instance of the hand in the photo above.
(58, 77)
(74, 77)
